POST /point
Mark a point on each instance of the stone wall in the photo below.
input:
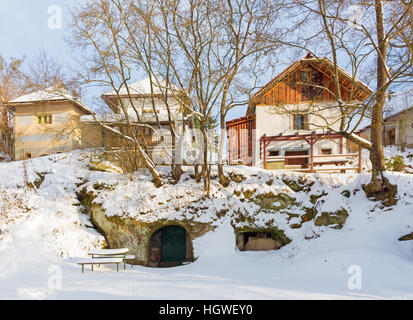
(135, 234)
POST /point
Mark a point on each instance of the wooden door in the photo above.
(173, 244)
(392, 136)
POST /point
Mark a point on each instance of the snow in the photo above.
(44, 234)
(108, 251)
(143, 87)
(49, 94)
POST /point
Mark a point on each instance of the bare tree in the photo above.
(11, 86)
(357, 40)
(99, 32)
(209, 49)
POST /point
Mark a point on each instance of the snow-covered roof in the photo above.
(49, 94)
(143, 87)
(399, 103)
(119, 118)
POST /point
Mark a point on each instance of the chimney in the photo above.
(309, 56)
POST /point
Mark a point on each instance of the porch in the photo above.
(309, 161)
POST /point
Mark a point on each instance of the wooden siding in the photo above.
(320, 87)
(240, 136)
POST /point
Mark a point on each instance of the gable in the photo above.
(309, 80)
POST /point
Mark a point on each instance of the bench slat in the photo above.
(127, 257)
(101, 261)
(109, 251)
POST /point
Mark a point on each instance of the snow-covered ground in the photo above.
(44, 234)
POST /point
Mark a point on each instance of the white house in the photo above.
(286, 121)
(152, 109)
(398, 129)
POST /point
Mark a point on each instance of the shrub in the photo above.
(395, 163)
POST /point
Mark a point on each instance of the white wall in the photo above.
(145, 109)
(270, 123)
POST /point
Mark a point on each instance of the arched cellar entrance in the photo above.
(170, 246)
(258, 241)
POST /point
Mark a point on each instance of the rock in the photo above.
(271, 201)
(406, 237)
(236, 177)
(262, 244)
(310, 213)
(346, 193)
(297, 186)
(315, 197)
(337, 219)
(105, 166)
(248, 193)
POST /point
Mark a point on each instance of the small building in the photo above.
(280, 129)
(46, 122)
(150, 111)
(398, 129)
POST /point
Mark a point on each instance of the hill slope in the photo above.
(44, 233)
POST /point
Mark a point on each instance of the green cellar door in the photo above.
(173, 244)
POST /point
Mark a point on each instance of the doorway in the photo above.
(391, 136)
(168, 247)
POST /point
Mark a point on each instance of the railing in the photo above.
(339, 160)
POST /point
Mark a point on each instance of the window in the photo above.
(47, 119)
(304, 76)
(326, 151)
(273, 153)
(27, 155)
(299, 122)
(312, 83)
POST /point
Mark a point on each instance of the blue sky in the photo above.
(24, 31)
(24, 27)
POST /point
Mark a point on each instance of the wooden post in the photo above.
(341, 145)
(312, 155)
(238, 144)
(265, 154)
(229, 145)
(360, 159)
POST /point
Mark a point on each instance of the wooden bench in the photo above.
(100, 261)
(122, 256)
(112, 253)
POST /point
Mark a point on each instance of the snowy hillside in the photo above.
(44, 232)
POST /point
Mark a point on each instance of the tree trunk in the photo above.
(223, 180)
(379, 187)
(206, 173)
